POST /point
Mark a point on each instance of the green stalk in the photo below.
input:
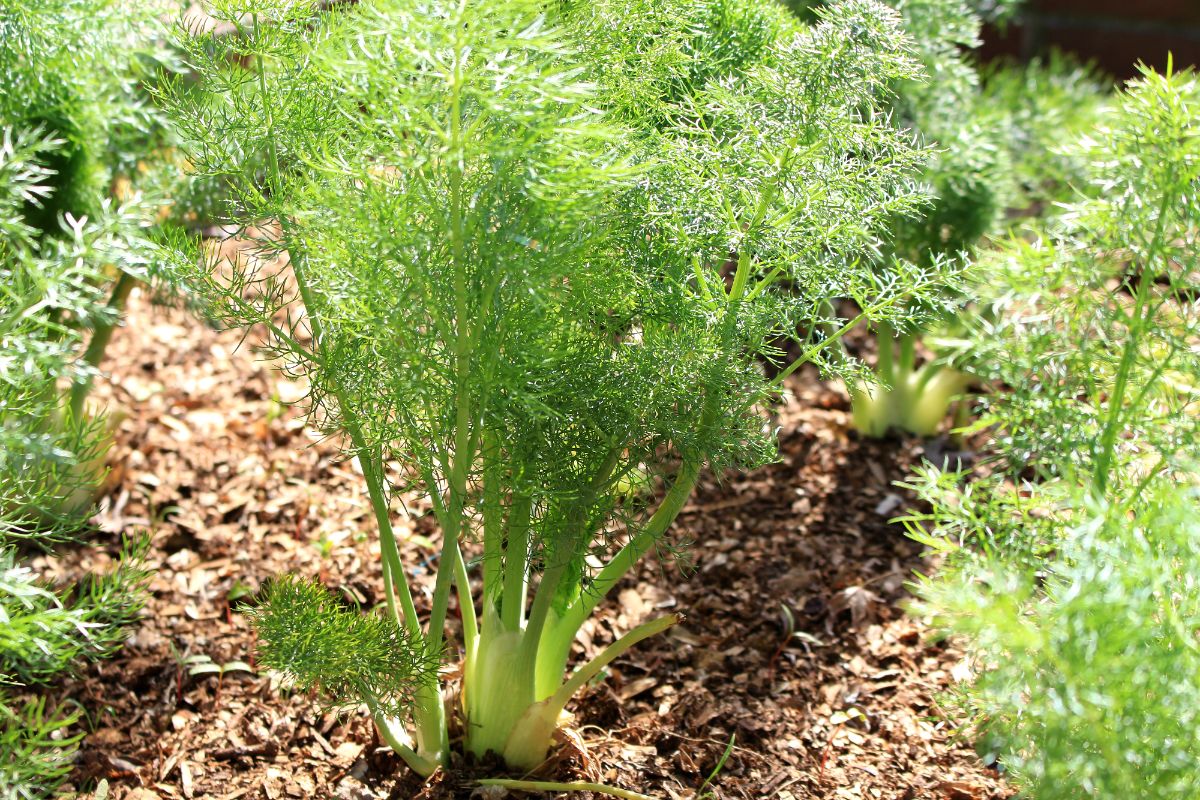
(635, 548)
(533, 734)
(466, 603)
(908, 353)
(516, 563)
(900, 400)
(885, 338)
(429, 711)
(808, 354)
(874, 405)
(419, 764)
(101, 336)
(463, 454)
(453, 520)
(1112, 424)
(374, 479)
(429, 717)
(592, 668)
(389, 550)
(444, 582)
(664, 516)
(555, 786)
(543, 598)
(539, 612)
(741, 277)
(1116, 401)
(840, 356)
(493, 520)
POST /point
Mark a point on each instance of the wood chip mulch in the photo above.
(795, 644)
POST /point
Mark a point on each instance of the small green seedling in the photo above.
(704, 793)
(201, 664)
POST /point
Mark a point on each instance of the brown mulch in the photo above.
(794, 646)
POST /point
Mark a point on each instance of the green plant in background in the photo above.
(70, 249)
(999, 132)
(1043, 107)
(75, 127)
(967, 181)
(969, 172)
(534, 257)
(1072, 564)
(44, 629)
(48, 628)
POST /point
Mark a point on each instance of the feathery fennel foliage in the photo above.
(51, 287)
(348, 656)
(532, 253)
(1072, 567)
(73, 69)
(1114, 277)
(47, 628)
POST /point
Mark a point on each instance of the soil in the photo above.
(796, 654)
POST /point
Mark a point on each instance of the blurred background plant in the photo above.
(76, 224)
(1071, 556)
(997, 132)
(967, 181)
(1042, 108)
(77, 126)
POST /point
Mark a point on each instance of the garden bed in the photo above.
(236, 489)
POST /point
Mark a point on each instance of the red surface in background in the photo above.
(1116, 34)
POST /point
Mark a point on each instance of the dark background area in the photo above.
(1116, 34)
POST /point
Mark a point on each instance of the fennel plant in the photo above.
(526, 254)
(967, 179)
(999, 131)
(46, 469)
(1071, 564)
(1003, 133)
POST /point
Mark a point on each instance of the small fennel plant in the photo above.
(966, 179)
(528, 255)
